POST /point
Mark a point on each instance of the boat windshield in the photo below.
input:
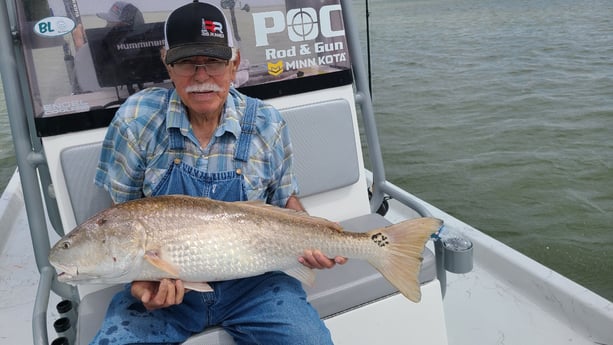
(83, 58)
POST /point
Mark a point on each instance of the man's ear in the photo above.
(163, 57)
(236, 62)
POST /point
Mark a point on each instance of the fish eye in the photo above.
(65, 245)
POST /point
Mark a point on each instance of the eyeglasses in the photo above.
(188, 69)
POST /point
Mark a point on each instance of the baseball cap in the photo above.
(197, 29)
(123, 12)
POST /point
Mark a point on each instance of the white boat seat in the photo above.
(325, 156)
(79, 166)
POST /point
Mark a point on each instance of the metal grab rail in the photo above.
(29, 157)
(380, 186)
(363, 98)
(41, 304)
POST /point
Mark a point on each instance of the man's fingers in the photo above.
(322, 260)
(142, 290)
(167, 293)
(180, 288)
(340, 260)
(316, 259)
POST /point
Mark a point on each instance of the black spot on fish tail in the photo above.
(380, 239)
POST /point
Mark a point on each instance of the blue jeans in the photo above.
(267, 309)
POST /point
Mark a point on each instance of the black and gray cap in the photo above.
(197, 29)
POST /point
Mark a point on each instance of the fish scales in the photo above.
(203, 240)
(233, 242)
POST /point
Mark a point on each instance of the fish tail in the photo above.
(400, 256)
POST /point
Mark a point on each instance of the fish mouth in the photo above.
(65, 274)
(69, 273)
(64, 277)
(72, 275)
(72, 278)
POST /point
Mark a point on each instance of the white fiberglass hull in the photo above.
(507, 298)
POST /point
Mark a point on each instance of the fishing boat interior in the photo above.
(65, 73)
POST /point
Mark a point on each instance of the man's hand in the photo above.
(316, 259)
(155, 295)
(313, 258)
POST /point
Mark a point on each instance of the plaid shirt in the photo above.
(135, 152)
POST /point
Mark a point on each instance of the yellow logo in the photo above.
(275, 68)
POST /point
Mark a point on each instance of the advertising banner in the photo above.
(85, 56)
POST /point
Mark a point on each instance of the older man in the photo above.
(204, 138)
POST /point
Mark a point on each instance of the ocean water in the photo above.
(501, 113)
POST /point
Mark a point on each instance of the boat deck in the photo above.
(18, 273)
(509, 298)
(481, 307)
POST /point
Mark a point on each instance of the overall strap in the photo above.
(241, 152)
(175, 138)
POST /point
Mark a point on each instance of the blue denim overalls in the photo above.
(267, 309)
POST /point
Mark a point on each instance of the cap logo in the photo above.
(212, 28)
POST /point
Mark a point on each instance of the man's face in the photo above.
(201, 92)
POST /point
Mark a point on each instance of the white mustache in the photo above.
(204, 87)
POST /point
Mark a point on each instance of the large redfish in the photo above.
(201, 240)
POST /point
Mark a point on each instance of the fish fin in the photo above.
(402, 245)
(304, 274)
(200, 287)
(273, 208)
(153, 257)
(317, 221)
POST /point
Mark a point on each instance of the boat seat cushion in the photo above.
(324, 143)
(79, 167)
(323, 139)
